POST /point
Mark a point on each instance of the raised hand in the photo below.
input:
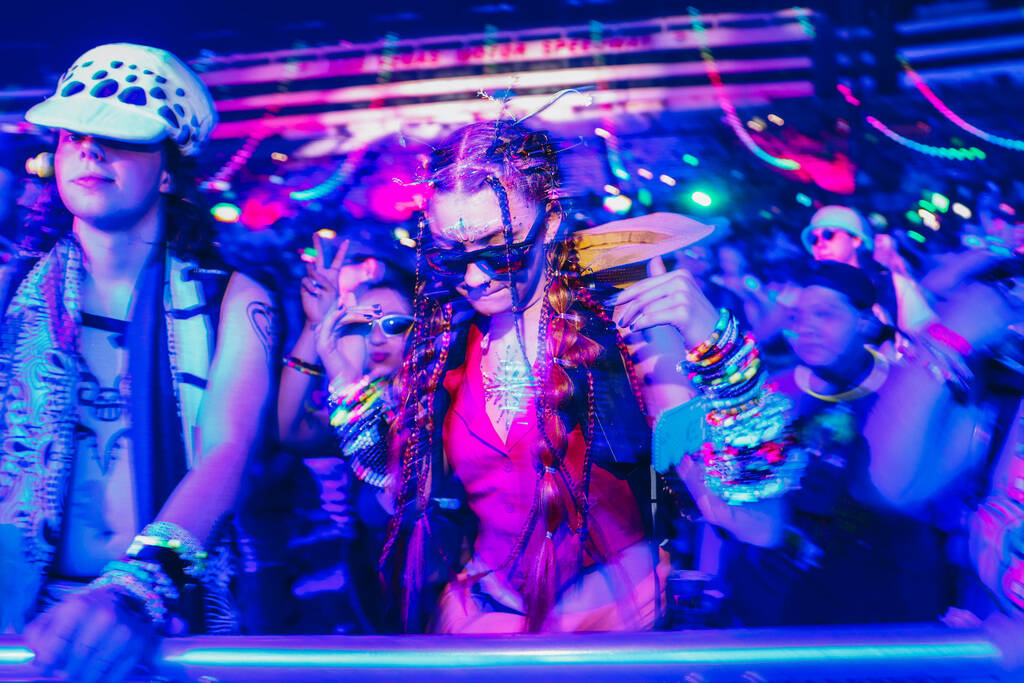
(320, 286)
(343, 355)
(666, 298)
(887, 255)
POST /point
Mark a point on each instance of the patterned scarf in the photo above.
(38, 378)
(39, 375)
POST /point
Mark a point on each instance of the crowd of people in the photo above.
(523, 426)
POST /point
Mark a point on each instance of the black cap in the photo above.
(843, 278)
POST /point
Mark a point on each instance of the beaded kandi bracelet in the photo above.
(155, 569)
(312, 369)
(360, 415)
(746, 451)
(146, 591)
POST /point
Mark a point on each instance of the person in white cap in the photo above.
(837, 233)
(135, 377)
(840, 233)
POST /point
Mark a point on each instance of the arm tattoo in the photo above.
(264, 323)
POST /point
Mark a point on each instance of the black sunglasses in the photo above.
(827, 234)
(501, 259)
(390, 325)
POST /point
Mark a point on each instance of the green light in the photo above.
(927, 205)
(643, 195)
(767, 215)
(973, 241)
(691, 160)
(701, 199)
(940, 201)
(225, 212)
(803, 199)
(916, 236)
(621, 174)
(913, 217)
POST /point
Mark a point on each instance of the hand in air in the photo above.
(343, 354)
(325, 283)
(887, 255)
(90, 637)
(666, 298)
(320, 286)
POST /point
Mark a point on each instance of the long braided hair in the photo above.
(507, 158)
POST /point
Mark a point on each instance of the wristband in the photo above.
(302, 366)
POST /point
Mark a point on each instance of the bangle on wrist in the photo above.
(312, 369)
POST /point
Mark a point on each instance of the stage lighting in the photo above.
(701, 198)
(618, 204)
(226, 213)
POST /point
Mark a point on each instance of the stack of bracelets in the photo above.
(311, 369)
(748, 457)
(360, 415)
(153, 574)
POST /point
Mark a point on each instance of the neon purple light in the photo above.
(922, 87)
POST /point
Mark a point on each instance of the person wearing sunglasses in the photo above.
(358, 317)
(840, 233)
(521, 438)
(366, 299)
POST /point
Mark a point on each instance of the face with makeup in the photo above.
(472, 222)
(385, 348)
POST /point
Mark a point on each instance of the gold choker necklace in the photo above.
(872, 383)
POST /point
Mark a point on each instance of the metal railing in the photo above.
(913, 652)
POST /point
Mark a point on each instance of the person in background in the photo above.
(966, 375)
(136, 378)
(357, 318)
(842, 554)
(840, 233)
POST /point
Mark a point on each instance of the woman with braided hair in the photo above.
(522, 416)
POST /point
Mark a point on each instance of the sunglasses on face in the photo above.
(452, 262)
(390, 325)
(827, 234)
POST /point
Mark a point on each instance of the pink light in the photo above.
(727, 107)
(922, 87)
(848, 95)
(257, 215)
